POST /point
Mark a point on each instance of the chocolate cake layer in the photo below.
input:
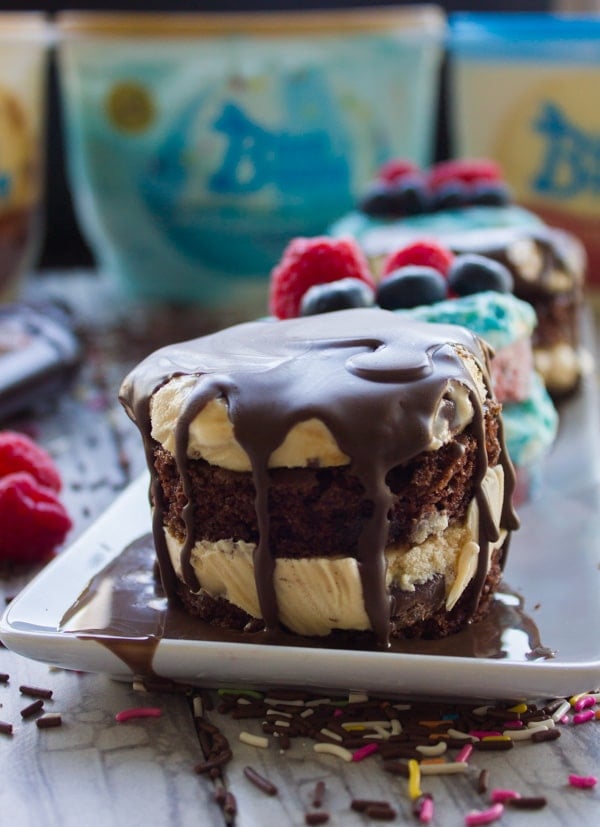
(557, 321)
(321, 511)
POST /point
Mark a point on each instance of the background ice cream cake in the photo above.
(467, 206)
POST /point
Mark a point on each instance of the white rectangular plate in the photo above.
(554, 563)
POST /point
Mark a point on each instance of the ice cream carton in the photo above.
(24, 42)
(525, 90)
(199, 144)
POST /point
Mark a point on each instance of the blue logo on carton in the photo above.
(571, 163)
(257, 157)
(5, 184)
(301, 170)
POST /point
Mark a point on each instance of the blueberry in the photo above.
(413, 195)
(336, 295)
(409, 196)
(410, 286)
(471, 273)
(451, 196)
(490, 194)
(377, 200)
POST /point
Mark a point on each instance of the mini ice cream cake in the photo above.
(467, 206)
(342, 471)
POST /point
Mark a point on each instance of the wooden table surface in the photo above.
(97, 771)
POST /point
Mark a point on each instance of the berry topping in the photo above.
(425, 252)
(402, 189)
(409, 196)
(490, 194)
(392, 171)
(450, 196)
(19, 453)
(309, 261)
(34, 522)
(336, 295)
(469, 171)
(411, 286)
(471, 273)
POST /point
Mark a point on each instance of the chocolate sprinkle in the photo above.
(527, 802)
(494, 746)
(319, 817)
(36, 692)
(381, 812)
(260, 781)
(52, 719)
(229, 804)
(34, 707)
(362, 805)
(319, 794)
(215, 746)
(545, 735)
(396, 768)
(483, 781)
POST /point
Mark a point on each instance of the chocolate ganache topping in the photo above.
(375, 380)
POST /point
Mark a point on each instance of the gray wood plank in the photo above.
(139, 772)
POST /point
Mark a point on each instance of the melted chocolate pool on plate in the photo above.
(125, 609)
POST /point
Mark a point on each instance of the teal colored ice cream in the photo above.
(499, 318)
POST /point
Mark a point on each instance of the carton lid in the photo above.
(525, 35)
(25, 25)
(428, 19)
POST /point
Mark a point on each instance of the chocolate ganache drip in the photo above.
(375, 380)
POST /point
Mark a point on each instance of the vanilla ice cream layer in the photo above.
(318, 594)
(559, 366)
(308, 443)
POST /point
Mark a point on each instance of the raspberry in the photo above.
(468, 171)
(425, 253)
(34, 522)
(392, 171)
(309, 261)
(19, 453)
